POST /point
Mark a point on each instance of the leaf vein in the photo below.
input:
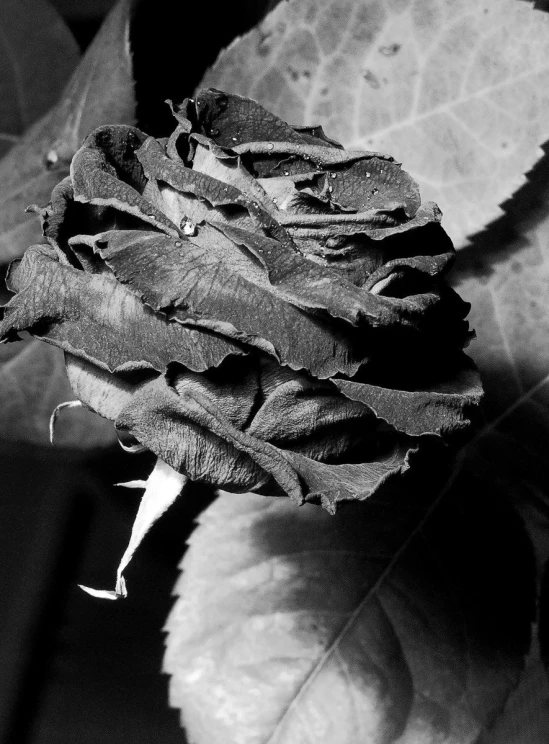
(332, 648)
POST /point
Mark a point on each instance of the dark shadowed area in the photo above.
(74, 668)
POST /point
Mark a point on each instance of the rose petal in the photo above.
(332, 485)
(210, 291)
(95, 318)
(230, 120)
(98, 178)
(443, 409)
(189, 432)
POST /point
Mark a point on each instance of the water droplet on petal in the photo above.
(368, 175)
(52, 159)
(178, 244)
(286, 173)
(235, 139)
(330, 189)
(188, 227)
(333, 175)
(270, 146)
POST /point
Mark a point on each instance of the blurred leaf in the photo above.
(455, 90)
(100, 91)
(525, 719)
(294, 626)
(544, 619)
(37, 56)
(33, 382)
(506, 278)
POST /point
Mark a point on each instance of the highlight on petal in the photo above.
(57, 410)
(133, 449)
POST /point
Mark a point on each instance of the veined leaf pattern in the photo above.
(456, 89)
(100, 91)
(363, 627)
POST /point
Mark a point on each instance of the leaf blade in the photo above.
(279, 591)
(32, 74)
(37, 163)
(436, 84)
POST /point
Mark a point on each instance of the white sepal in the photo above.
(162, 488)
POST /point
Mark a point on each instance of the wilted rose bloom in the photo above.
(261, 308)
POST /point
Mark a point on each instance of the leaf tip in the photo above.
(101, 593)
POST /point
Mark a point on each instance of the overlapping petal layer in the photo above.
(260, 308)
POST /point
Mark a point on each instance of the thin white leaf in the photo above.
(163, 486)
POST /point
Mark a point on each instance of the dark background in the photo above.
(73, 669)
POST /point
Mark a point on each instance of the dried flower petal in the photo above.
(262, 309)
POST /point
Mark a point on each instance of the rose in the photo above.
(262, 309)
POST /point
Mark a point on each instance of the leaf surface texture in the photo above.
(456, 89)
(300, 627)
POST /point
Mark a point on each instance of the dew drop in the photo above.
(188, 227)
(275, 200)
(286, 173)
(330, 189)
(178, 244)
(52, 159)
(333, 175)
(235, 139)
(368, 175)
(270, 146)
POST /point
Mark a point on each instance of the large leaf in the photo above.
(33, 382)
(455, 90)
(293, 626)
(508, 287)
(506, 279)
(37, 55)
(100, 91)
